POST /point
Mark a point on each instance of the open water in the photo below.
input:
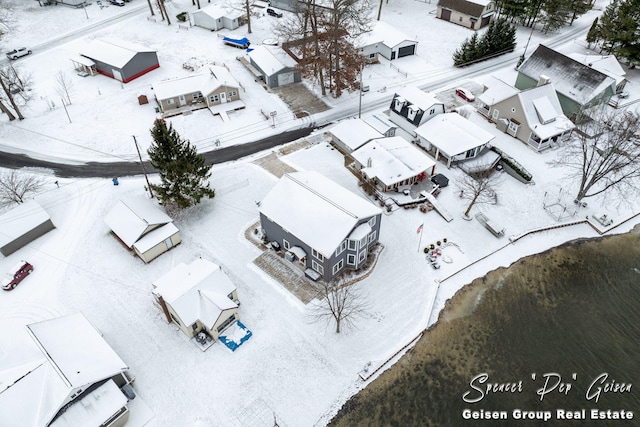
(552, 333)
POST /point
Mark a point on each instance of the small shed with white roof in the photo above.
(276, 67)
(70, 376)
(22, 225)
(394, 163)
(143, 227)
(198, 297)
(385, 40)
(332, 228)
(120, 60)
(381, 123)
(215, 17)
(349, 135)
(453, 137)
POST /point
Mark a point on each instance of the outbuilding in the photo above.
(120, 60)
(142, 227)
(349, 135)
(215, 17)
(276, 67)
(386, 41)
(22, 225)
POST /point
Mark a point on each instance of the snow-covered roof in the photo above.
(315, 209)
(607, 64)
(497, 91)
(271, 60)
(96, 407)
(354, 133)
(381, 32)
(380, 123)
(204, 82)
(571, 78)
(468, 7)
(73, 355)
(392, 160)
(417, 97)
(217, 11)
(543, 112)
(197, 291)
(113, 52)
(155, 236)
(132, 218)
(453, 134)
(20, 220)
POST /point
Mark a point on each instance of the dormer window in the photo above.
(399, 103)
(412, 111)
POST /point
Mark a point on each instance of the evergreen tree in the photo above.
(593, 35)
(555, 14)
(619, 29)
(183, 173)
(579, 7)
(499, 38)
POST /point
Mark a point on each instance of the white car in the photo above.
(17, 53)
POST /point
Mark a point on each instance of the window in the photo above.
(342, 247)
(433, 110)
(351, 259)
(338, 266)
(232, 93)
(214, 98)
(286, 244)
(196, 96)
(372, 55)
(513, 126)
(513, 110)
(461, 19)
(495, 114)
(363, 242)
(194, 326)
(362, 256)
(372, 221)
(353, 245)
(372, 236)
(317, 267)
(317, 255)
(171, 101)
(226, 323)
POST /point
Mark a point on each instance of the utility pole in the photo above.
(142, 164)
(360, 97)
(65, 109)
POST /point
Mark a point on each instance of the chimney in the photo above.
(369, 162)
(543, 80)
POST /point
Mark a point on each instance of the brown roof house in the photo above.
(473, 14)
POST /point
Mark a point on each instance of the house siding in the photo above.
(275, 232)
(139, 65)
(401, 118)
(466, 14)
(158, 249)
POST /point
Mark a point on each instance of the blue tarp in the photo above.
(243, 42)
(235, 336)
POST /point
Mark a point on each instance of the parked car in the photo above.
(465, 94)
(17, 53)
(117, 2)
(623, 95)
(16, 275)
(274, 13)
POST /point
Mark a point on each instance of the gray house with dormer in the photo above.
(323, 228)
(412, 107)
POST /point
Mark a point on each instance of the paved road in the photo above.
(118, 169)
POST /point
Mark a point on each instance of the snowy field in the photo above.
(292, 367)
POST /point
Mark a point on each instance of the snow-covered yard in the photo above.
(292, 366)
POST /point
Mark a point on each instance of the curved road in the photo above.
(118, 169)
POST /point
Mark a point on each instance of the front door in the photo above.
(223, 97)
(182, 100)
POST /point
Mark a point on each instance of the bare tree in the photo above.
(64, 85)
(16, 186)
(7, 20)
(339, 302)
(322, 38)
(604, 154)
(150, 7)
(479, 188)
(16, 88)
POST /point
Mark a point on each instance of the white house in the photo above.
(69, 377)
(453, 137)
(215, 17)
(21, 225)
(198, 297)
(411, 107)
(385, 40)
(394, 163)
(349, 135)
(143, 227)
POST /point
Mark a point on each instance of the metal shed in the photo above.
(121, 60)
(22, 225)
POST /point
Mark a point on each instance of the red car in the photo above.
(465, 94)
(16, 275)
